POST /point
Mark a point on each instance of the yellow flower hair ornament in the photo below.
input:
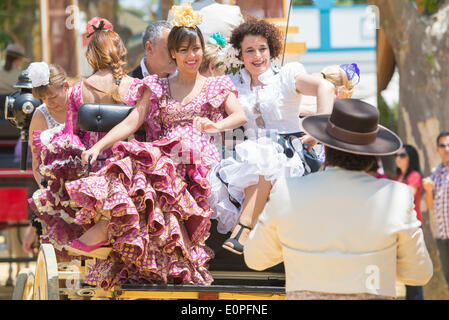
(185, 16)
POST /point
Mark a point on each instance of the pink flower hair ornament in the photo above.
(98, 24)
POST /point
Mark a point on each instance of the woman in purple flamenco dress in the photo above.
(150, 200)
(59, 151)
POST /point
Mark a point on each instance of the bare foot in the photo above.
(98, 233)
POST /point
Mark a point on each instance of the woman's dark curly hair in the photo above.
(348, 161)
(258, 27)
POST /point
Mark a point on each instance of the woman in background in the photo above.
(11, 69)
(409, 172)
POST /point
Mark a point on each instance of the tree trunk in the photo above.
(165, 8)
(420, 45)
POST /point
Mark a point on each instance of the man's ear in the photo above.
(148, 47)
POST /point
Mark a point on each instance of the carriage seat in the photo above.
(98, 117)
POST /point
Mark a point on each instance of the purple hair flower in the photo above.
(352, 72)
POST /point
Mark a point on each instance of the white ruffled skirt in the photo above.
(230, 177)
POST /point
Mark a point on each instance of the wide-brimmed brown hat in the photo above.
(353, 126)
(15, 50)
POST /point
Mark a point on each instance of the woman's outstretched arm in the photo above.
(122, 130)
(324, 91)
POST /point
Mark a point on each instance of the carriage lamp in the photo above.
(19, 110)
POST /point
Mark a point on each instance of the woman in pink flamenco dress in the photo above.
(59, 151)
(150, 200)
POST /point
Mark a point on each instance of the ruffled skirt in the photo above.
(59, 160)
(230, 177)
(160, 216)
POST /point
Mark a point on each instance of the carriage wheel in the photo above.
(24, 287)
(46, 285)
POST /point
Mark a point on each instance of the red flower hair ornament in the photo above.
(98, 24)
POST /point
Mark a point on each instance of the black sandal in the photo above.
(238, 247)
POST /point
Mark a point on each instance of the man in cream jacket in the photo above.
(341, 233)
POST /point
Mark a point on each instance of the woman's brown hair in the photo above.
(179, 35)
(259, 27)
(58, 78)
(106, 50)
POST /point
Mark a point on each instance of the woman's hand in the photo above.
(206, 125)
(309, 140)
(92, 152)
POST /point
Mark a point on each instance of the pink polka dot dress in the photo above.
(156, 192)
(58, 152)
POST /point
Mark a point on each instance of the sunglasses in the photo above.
(402, 155)
(442, 145)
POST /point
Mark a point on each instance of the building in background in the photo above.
(336, 34)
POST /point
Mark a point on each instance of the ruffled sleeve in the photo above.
(134, 93)
(153, 123)
(288, 74)
(218, 90)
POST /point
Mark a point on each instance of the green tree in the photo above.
(14, 15)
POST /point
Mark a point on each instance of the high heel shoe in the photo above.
(78, 248)
(237, 246)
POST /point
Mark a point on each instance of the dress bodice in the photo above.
(169, 118)
(51, 122)
(175, 114)
(278, 100)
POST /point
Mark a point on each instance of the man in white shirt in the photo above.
(217, 17)
(157, 59)
(341, 233)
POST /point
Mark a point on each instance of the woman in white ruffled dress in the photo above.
(271, 99)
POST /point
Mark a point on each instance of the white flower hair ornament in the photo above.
(231, 59)
(39, 73)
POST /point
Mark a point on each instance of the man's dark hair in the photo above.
(348, 161)
(441, 135)
(154, 31)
